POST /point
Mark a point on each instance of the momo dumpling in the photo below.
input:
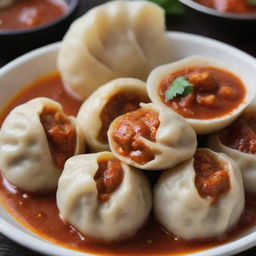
(116, 39)
(152, 138)
(238, 141)
(36, 139)
(102, 197)
(207, 93)
(115, 98)
(200, 198)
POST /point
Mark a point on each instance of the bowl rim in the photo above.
(47, 247)
(228, 15)
(71, 7)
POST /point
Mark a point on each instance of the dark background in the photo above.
(237, 33)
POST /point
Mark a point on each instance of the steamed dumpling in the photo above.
(209, 94)
(151, 138)
(102, 197)
(200, 198)
(238, 141)
(117, 39)
(36, 139)
(104, 105)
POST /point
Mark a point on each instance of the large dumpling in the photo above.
(104, 105)
(200, 198)
(152, 138)
(36, 139)
(238, 141)
(102, 197)
(117, 39)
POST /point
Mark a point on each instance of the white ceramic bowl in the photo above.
(27, 68)
(228, 15)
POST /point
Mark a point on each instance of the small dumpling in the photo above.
(238, 141)
(200, 198)
(102, 197)
(209, 94)
(36, 139)
(152, 138)
(115, 98)
(116, 39)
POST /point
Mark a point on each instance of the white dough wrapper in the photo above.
(117, 218)
(245, 161)
(89, 115)
(183, 212)
(25, 157)
(175, 140)
(199, 125)
(116, 39)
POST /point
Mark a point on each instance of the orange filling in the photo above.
(108, 178)
(61, 136)
(118, 105)
(216, 92)
(212, 180)
(130, 129)
(241, 134)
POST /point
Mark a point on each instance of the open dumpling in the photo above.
(116, 39)
(115, 98)
(200, 198)
(152, 138)
(209, 94)
(36, 139)
(238, 141)
(102, 197)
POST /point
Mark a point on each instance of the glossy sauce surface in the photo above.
(40, 213)
(128, 131)
(26, 14)
(235, 6)
(212, 179)
(216, 92)
(241, 134)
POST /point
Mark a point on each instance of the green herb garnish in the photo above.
(252, 2)
(180, 86)
(170, 6)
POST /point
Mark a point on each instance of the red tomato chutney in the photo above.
(119, 104)
(241, 134)
(233, 6)
(128, 131)
(108, 178)
(216, 92)
(61, 136)
(26, 14)
(212, 179)
(39, 213)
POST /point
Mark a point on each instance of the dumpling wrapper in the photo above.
(25, 157)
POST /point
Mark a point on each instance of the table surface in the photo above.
(237, 33)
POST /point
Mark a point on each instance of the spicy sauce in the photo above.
(26, 14)
(39, 213)
(233, 6)
(212, 179)
(128, 131)
(216, 93)
(241, 134)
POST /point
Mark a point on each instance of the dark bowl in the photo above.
(16, 42)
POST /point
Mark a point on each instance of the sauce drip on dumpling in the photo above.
(108, 178)
(212, 179)
(119, 104)
(61, 135)
(130, 129)
(241, 135)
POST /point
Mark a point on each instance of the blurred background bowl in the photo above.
(17, 42)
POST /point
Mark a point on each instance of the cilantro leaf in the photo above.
(180, 86)
(170, 6)
(252, 2)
